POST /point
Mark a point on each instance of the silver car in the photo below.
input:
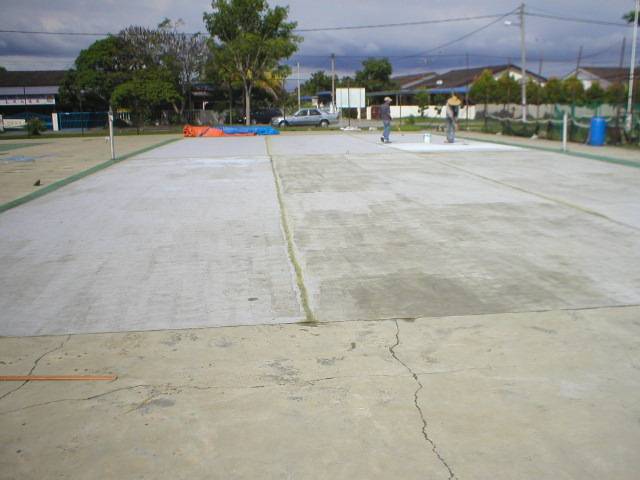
(306, 116)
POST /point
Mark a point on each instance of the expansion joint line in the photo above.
(304, 295)
(425, 433)
(35, 364)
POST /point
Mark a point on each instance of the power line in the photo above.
(402, 24)
(38, 32)
(467, 35)
(577, 20)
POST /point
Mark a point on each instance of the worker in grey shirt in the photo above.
(385, 116)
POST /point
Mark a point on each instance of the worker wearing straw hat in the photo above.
(385, 116)
(453, 108)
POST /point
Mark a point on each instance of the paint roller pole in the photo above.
(564, 132)
(113, 151)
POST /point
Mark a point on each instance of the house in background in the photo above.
(33, 91)
(413, 81)
(605, 76)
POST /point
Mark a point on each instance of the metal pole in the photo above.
(564, 131)
(81, 119)
(632, 67)
(524, 65)
(579, 61)
(624, 46)
(333, 81)
(466, 94)
(298, 64)
(113, 150)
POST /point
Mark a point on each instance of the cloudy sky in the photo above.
(414, 48)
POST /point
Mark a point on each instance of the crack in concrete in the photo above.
(288, 235)
(35, 364)
(425, 433)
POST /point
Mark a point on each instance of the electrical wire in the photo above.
(577, 20)
(463, 37)
(402, 24)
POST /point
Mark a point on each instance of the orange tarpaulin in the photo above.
(195, 131)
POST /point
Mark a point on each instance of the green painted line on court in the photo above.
(591, 156)
(65, 181)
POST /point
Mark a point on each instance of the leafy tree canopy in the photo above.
(630, 17)
(248, 40)
(484, 88)
(375, 75)
(318, 82)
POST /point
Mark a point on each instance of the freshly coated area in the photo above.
(361, 311)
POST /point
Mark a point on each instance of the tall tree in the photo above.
(2, 69)
(484, 90)
(146, 90)
(507, 89)
(375, 74)
(595, 93)
(554, 91)
(99, 69)
(318, 82)
(183, 55)
(630, 17)
(250, 38)
(574, 90)
(423, 101)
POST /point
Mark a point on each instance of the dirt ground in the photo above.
(24, 162)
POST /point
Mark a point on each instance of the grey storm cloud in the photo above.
(410, 48)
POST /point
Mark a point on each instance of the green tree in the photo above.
(535, 95)
(99, 69)
(250, 39)
(2, 69)
(318, 82)
(616, 94)
(595, 94)
(554, 91)
(630, 17)
(507, 90)
(148, 89)
(574, 90)
(484, 90)
(423, 102)
(183, 55)
(375, 75)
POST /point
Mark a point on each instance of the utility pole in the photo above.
(624, 46)
(632, 67)
(539, 87)
(524, 65)
(333, 81)
(579, 60)
(466, 93)
(298, 65)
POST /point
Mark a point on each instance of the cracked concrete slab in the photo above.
(528, 395)
(150, 243)
(404, 235)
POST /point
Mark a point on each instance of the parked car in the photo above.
(306, 116)
(264, 115)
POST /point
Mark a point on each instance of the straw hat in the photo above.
(387, 99)
(454, 101)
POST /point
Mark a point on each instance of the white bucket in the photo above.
(427, 138)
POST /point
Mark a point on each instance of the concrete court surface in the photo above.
(496, 293)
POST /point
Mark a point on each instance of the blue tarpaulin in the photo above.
(258, 130)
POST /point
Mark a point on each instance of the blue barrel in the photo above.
(598, 131)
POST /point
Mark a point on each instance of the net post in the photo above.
(113, 151)
(564, 131)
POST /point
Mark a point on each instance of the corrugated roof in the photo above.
(35, 78)
(611, 74)
(466, 76)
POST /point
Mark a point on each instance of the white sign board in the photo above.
(350, 98)
(14, 122)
